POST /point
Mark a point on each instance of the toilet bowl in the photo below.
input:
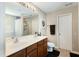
(51, 46)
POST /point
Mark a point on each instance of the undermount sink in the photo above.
(11, 43)
(22, 41)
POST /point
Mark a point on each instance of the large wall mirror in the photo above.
(20, 21)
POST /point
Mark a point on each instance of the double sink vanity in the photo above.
(27, 46)
(24, 32)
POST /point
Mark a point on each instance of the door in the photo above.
(65, 31)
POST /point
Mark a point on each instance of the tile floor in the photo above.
(64, 53)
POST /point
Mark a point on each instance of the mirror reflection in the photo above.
(20, 21)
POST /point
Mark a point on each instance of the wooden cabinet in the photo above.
(32, 53)
(21, 53)
(32, 50)
(42, 48)
(45, 52)
(38, 49)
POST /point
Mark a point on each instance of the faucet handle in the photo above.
(13, 37)
(36, 33)
(16, 40)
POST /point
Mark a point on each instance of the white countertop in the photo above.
(23, 42)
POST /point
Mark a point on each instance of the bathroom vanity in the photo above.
(27, 47)
(23, 32)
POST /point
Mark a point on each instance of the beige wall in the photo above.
(34, 24)
(42, 17)
(52, 19)
(13, 26)
(9, 25)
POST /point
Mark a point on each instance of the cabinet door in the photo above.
(32, 50)
(40, 51)
(45, 51)
(32, 53)
(40, 48)
(20, 53)
(45, 47)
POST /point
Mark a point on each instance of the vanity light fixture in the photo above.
(28, 5)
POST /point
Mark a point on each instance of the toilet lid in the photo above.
(51, 44)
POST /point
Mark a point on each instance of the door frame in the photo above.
(58, 41)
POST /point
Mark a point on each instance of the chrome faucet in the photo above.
(36, 33)
(15, 39)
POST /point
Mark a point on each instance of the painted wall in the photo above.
(52, 19)
(34, 24)
(42, 17)
(18, 26)
(2, 15)
(13, 26)
(40, 25)
(9, 25)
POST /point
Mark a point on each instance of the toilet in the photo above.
(51, 46)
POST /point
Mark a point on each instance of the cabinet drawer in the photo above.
(31, 48)
(40, 43)
(20, 53)
(32, 53)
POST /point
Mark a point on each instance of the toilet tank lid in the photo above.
(51, 44)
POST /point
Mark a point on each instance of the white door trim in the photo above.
(58, 44)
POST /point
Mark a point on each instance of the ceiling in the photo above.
(53, 6)
(16, 9)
